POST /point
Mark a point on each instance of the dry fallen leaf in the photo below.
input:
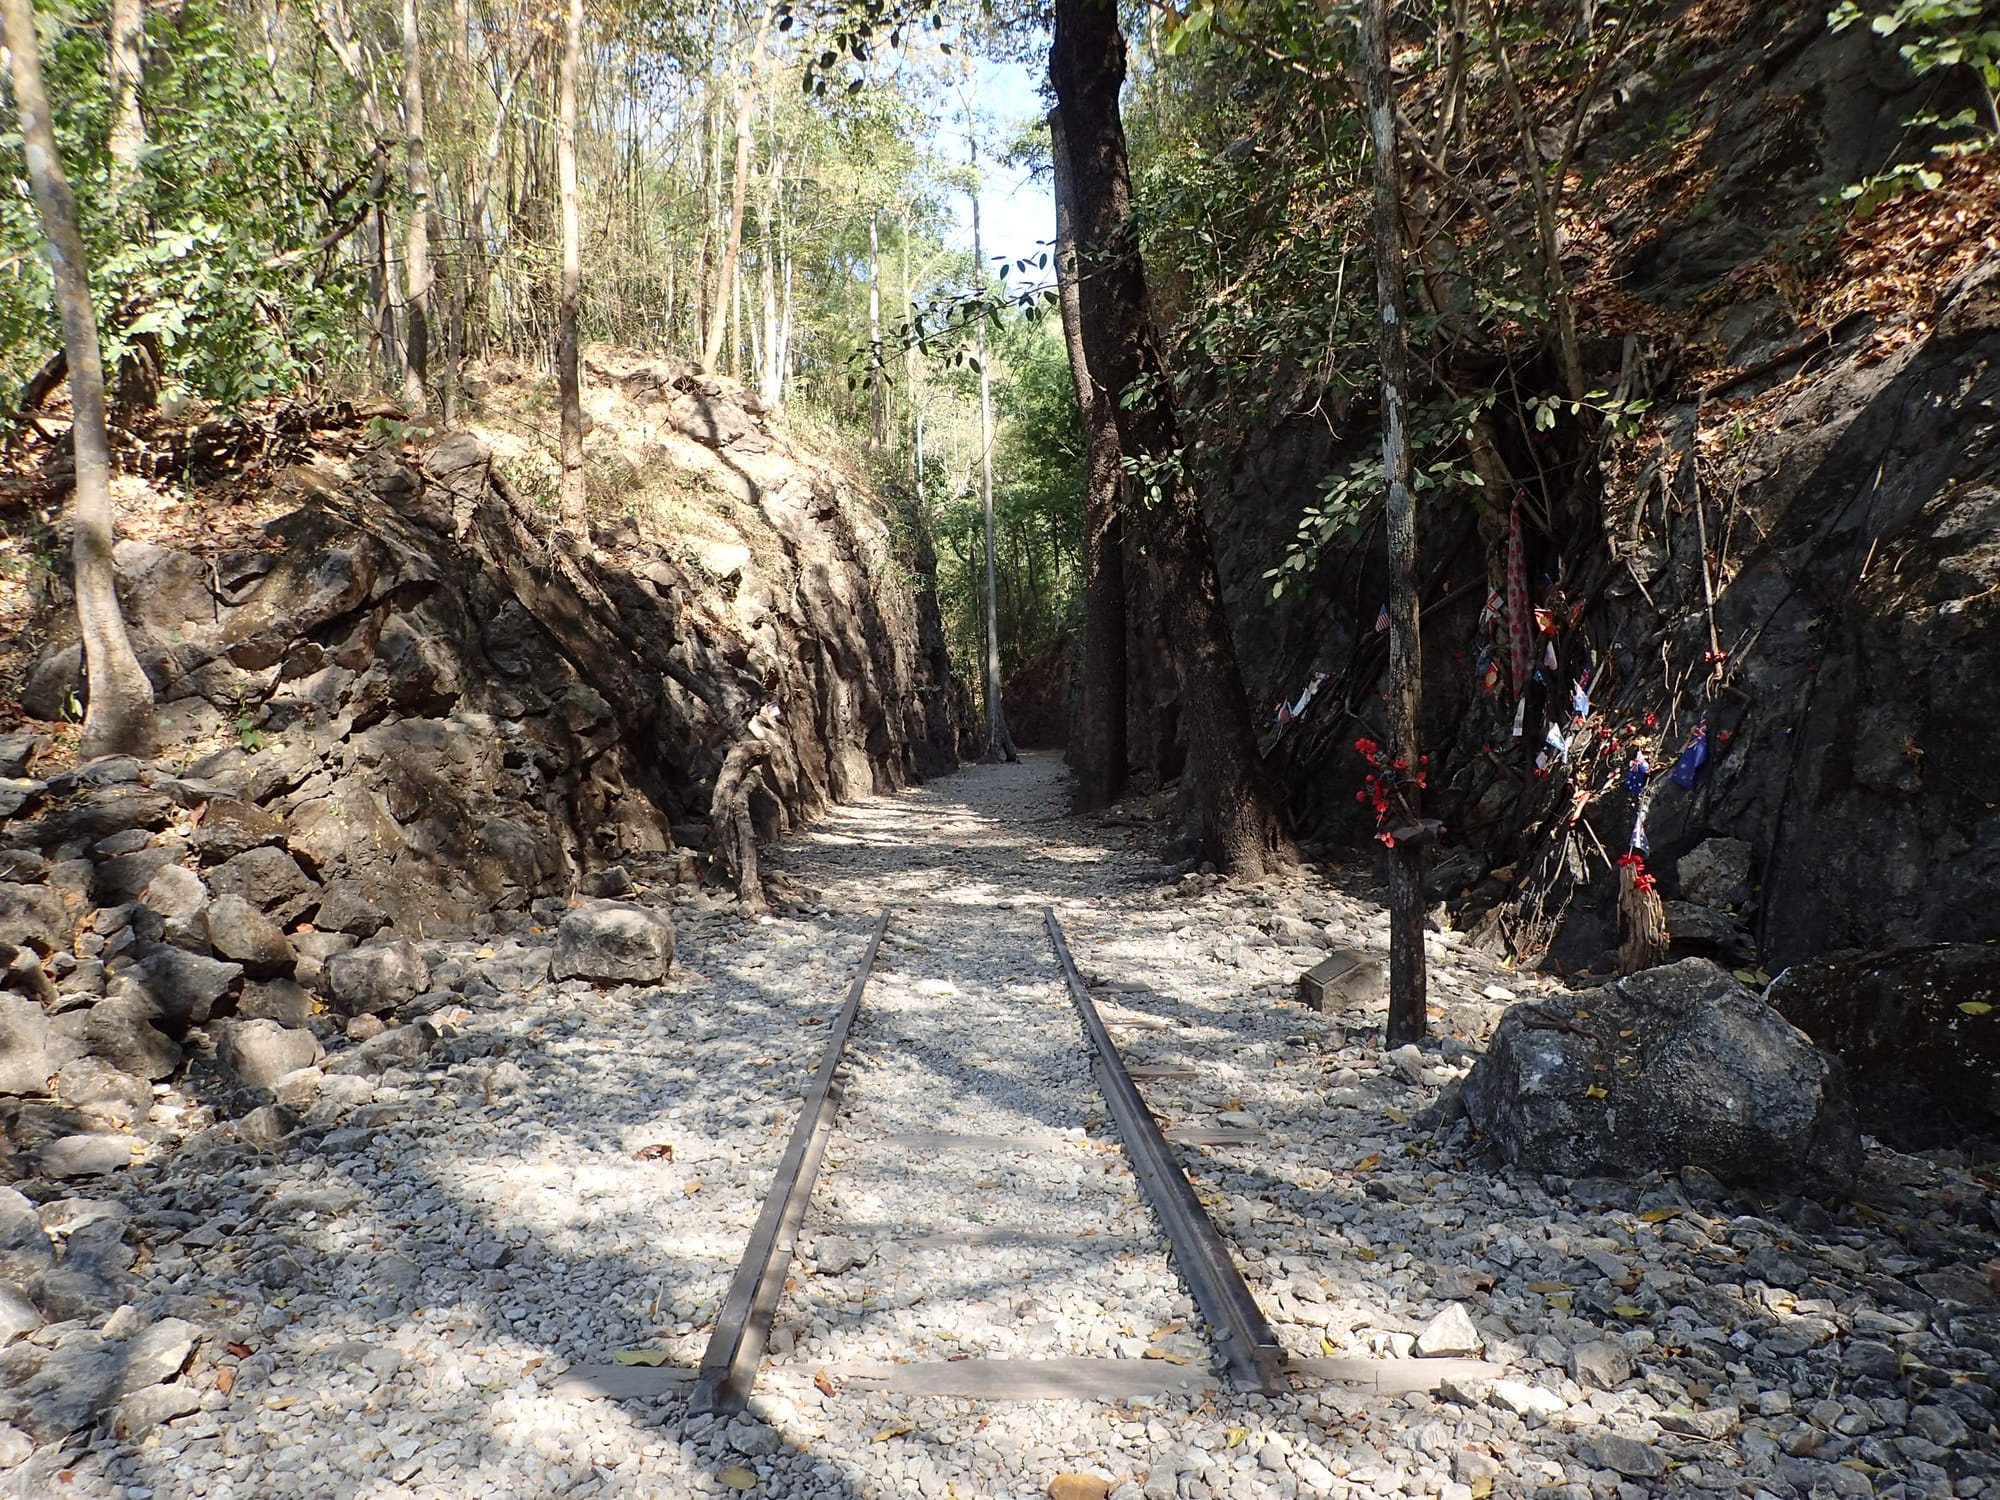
(738, 1478)
(691, 1187)
(900, 1429)
(1659, 1215)
(241, 1351)
(1078, 1487)
(1368, 1163)
(823, 1383)
(660, 1152)
(1595, 1091)
(225, 1381)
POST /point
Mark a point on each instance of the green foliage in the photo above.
(1438, 433)
(1937, 34)
(212, 257)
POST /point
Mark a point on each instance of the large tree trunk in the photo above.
(570, 505)
(1237, 821)
(417, 269)
(1407, 1007)
(999, 741)
(732, 245)
(119, 718)
(1100, 754)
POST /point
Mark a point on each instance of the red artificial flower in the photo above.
(1368, 748)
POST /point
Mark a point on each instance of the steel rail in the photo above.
(1249, 1349)
(736, 1348)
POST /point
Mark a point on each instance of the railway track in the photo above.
(1241, 1340)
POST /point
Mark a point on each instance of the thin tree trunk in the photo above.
(732, 246)
(1237, 819)
(125, 71)
(999, 741)
(570, 504)
(119, 718)
(1100, 753)
(1407, 1006)
(770, 382)
(417, 269)
(878, 410)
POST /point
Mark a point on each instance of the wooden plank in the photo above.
(1024, 1379)
(619, 1382)
(1393, 1377)
(952, 1239)
(930, 1142)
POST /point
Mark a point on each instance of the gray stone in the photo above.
(1628, 1456)
(15, 1447)
(269, 878)
(154, 1354)
(1940, 1425)
(120, 1030)
(33, 916)
(240, 932)
(63, 1294)
(1525, 1400)
(613, 942)
(257, 1053)
(1408, 1061)
(489, 1255)
(1872, 1360)
(1675, 1067)
(85, 1155)
(343, 908)
(398, 1045)
(18, 748)
(18, 1313)
(314, 949)
(126, 876)
(376, 978)
(752, 1438)
(267, 1123)
(24, 1046)
(175, 891)
(608, 883)
(104, 1092)
(298, 1089)
(1600, 1364)
(1716, 873)
(178, 987)
(24, 1244)
(1451, 1332)
(1344, 980)
(72, 1387)
(140, 1412)
(232, 826)
(282, 1000)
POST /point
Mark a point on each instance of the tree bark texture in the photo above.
(1237, 819)
(1100, 754)
(124, 71)
(570, 501)
(732, 245)
(999, 740)
(417, 251)
(119, 718)
(1407, 998)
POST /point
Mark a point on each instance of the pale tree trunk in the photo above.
(417, 270)
(999, 741)
(119, 719)
(878, 408)
(770, 382)
(732, 245)
(571, 496)
(383, 289)
(125, 71)
(1407, 1001)
(1101, 741)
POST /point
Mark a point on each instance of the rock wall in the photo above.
(1827, 447)
(403, 706)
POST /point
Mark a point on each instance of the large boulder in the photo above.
(32, 916)
(120, 1030)
(1675, 1067)
(243, 934)
(24, 1049)
(177, 986)
(375, 978)
(257, 1053)
(1918, 1028)
(613, 942)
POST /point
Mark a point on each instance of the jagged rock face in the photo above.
(1675, 1067)
(1918, 1028)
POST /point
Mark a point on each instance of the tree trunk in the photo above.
(878, 409)
(119, 718)
(1100, 754)
(125, 70)
(770, 380)
(1407, 1006)
(732, 246)
(417, 254)
(999, 741)
(1235, 815)
(570, 506)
